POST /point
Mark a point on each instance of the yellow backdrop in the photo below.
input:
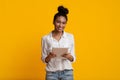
(94, 23)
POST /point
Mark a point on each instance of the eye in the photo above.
(63, 22)
(58, 21)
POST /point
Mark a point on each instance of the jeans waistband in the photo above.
(61, 70)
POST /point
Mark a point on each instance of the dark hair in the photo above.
(61, 12)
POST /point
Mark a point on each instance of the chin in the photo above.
(59, 30)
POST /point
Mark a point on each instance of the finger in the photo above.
(64, 55)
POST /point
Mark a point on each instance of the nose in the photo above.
(61, 25)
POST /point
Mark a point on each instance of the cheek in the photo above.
(64, 25)
(56, 25)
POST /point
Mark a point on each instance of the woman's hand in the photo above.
(51, 55)
(68, 56)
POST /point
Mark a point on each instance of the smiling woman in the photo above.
(94, 23)
(58, 68)
(60, 23)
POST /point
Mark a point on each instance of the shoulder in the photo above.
(69, 35)
(46, 36)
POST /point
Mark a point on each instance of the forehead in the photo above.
(61, 18)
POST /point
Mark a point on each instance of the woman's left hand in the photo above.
(68, 56)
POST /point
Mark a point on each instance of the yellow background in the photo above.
(94, 23)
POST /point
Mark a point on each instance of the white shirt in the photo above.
(48, 42)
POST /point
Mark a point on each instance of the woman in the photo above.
(58, 68)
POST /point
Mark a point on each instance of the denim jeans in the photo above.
(60, 75)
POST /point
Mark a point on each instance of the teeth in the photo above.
(59, 28)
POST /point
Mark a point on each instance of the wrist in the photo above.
(71, 58)
(47, 59)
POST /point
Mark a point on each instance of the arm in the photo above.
(71, 55)
(45, 56)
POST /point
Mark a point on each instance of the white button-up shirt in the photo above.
(57, 64)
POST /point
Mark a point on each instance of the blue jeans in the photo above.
(60, 75)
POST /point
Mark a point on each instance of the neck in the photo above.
(56, 33)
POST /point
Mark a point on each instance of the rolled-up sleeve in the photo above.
(44, 51)
(72, 48)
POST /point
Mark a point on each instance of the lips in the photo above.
(60, 28)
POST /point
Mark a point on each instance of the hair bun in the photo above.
(63, 10)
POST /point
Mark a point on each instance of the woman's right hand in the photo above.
(51, 55)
